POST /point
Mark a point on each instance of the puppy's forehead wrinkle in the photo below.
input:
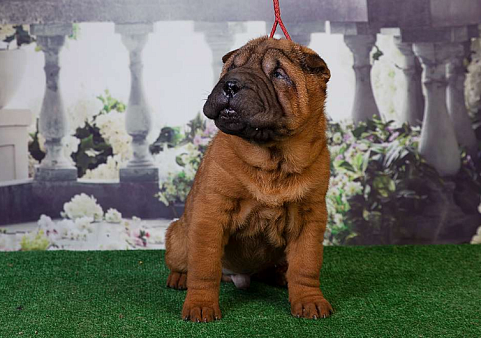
(255, 52)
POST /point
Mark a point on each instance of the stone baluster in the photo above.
(138, 114)
(438, 139)
(53, 123)
(456, 102)
(364, 106)
(412, 109)
(220, 36)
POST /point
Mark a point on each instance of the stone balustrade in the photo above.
(431, 40)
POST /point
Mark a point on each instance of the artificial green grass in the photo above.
(409, 291)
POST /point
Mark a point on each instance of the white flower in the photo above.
(83, 206)
(362, 146)
(479, 208)
(45, 222)
(113, 216)
(334, 150)
(163, 198)
(112, 129)
(49, 227)
(171, 190)
(477, 237)
(106, 171)
(353, 188)
(65, 227)
(82, 111)
(337, 138)
(338, 219)
(78, 234)
(84, 223)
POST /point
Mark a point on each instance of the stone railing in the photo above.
(432, 36)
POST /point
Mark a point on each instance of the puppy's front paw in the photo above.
(311, 307)
(201, 311)
(177, 280)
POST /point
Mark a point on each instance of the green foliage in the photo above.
(75, 32)
(110, 103)
(396, 180)
(35, 242)
(377, 54)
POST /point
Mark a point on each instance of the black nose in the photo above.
(231, 88)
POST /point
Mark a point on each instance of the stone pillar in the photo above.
(364, 106)
(53, 120)
(412, 109)
(220, 36)
(438, 140)
(456, 103)
(138, 114)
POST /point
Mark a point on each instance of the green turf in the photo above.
(422, 291)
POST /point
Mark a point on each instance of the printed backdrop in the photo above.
(382, 191)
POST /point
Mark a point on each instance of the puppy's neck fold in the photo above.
(288, 157)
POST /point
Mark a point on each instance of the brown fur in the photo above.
(254, 206)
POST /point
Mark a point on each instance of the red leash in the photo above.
(277, 11)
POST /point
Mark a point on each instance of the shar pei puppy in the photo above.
(257, 208)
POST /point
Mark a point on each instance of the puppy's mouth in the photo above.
(229, 114)
(229, 121)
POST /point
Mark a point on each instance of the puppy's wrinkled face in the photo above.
(268, 90)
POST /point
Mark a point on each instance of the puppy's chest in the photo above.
(256, 220)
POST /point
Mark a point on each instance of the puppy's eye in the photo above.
(279, 73)
(232, 66)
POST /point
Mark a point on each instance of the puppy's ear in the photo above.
(228, 55)
(317, 65)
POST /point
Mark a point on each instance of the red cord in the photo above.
(278, 20)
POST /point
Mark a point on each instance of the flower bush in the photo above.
(193, 144)
(113, 216)
(371, 168)
(100, 141)
(378, 178)
(395, 181)
(85, 222)
(82, 206)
